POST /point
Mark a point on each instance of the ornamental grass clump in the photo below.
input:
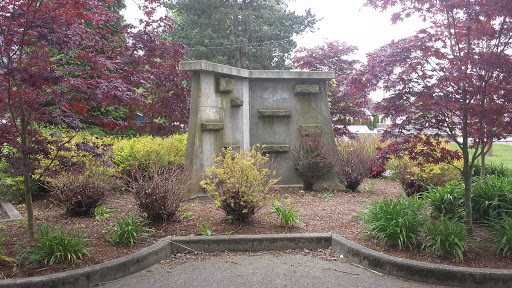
(503, 230)
(239, 182)
(445, 236)
(312, 160)
(395, 220)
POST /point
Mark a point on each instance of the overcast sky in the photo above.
(343, 20)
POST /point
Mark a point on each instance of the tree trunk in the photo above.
(27, 174)
(482, 166)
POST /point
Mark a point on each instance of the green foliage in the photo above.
(239, 182)
(55, 246)
(129, 231)
(492, 169)
(158, 191)
(81, 193)
(204, 229)
(503, 228)
(101, 212)
(287, 216)
(395, 220)
(491, 198)
(446, 201)
(142, 151)
(446, 236)
(355, 161)
(312, 160)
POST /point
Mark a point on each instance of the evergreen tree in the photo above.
(252, 34)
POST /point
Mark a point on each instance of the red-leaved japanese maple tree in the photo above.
(335, 56)
(454, 77)
(59, 57)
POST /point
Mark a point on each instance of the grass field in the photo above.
(501, 154)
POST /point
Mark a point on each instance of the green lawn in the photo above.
(501, 153)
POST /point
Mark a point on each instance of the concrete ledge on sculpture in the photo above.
(236, 102)
(307, 89)
(212, 126)
(275, 148)
(274, 113)
(9, 212)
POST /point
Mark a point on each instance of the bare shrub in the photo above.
(355, 161)
(158, 190)
(312, 160)
(81, 193)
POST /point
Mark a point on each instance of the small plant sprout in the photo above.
(101, 212)
(204, 229)
(287, 216)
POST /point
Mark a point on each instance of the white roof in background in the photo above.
(359, 129)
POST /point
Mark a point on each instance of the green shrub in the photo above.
(158, 191)
(312, 160)
(287, 216)
(81, 193)
(55, 246)
(355, 161)
(446, 201)
(491, 198)
(239, 182)
(503, 229)
(129, 231)
(492, 169)
(446, 236)
(415, 176)
(395, 220)
(142, 151)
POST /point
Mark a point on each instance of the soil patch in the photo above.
(330, 209)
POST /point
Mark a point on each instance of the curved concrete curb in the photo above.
(421, 271)
(431, 273)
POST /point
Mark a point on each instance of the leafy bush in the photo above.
(503, 229)
(287, 216)
(81, 193)
(446, 236)
(144, 151)
(239, 182)
(158, 191)
(129, 231)
(415, 176)
(355, 161)
(55, 246)
(446, 201)
(395, 220)
(492, 169)
(312, 160)
(491, 198)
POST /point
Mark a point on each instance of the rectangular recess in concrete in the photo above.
(237, 102)
(275, 113)
(273, 148)
(212, 126)
(235, 148)
(307, 89)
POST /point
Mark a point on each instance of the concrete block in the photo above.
(307, 89)
(236, 102)
(274, 148)
(308, 129)
(225, 85)
(212, 126)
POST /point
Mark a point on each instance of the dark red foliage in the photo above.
(332, 56)
(59, 57)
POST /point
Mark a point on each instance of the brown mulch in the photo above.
(330, 209)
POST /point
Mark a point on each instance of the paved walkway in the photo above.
(267, 270)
